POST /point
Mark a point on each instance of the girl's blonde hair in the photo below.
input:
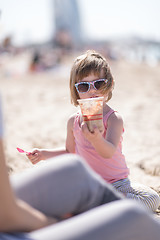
(90, 62)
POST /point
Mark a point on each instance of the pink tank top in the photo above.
(111, 169)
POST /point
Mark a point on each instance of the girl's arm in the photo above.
(16, 215)
(70, 141)
(106, 147)
(43, 154)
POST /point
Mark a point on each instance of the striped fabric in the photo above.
(143, 194)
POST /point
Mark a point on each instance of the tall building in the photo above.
(67, 20)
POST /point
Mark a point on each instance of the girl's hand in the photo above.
(36, 155)
(91, 136)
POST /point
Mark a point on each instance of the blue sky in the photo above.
(29, 20)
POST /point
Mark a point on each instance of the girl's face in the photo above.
(92, 93)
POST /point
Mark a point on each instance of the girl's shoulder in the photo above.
(115, 115)
(115, 121)
(74, 115)
(72, 118)
(112, 116)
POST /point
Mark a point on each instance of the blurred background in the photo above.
(121, 29)
(39, 40)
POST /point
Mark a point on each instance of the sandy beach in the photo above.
(37, 105)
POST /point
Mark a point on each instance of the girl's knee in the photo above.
(152, 200)
(156, 201)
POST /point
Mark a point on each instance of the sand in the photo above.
(37, 106)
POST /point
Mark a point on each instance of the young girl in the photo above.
(90, 78)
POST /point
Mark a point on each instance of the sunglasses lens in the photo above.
(100, 84)
(83, 87)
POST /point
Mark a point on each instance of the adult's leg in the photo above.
(120, 220)
(65, 184)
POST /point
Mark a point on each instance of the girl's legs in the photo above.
(143, 194)
(65, 184)
(120, 220)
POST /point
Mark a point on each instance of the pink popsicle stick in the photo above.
(22, 151)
